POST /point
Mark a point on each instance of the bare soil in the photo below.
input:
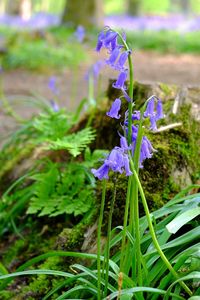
(148, 67)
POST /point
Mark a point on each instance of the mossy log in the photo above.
(175, 163)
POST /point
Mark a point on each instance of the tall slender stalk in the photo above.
(109, 238)
(99, 239)
(134, 209)
(125, 226)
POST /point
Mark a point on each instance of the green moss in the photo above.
(40, 285)
(72, 238)
(13, 252)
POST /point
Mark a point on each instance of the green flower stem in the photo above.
(130, 105)
(99, 239)
(109, 238)
(134, 207)
(153, 235)
(123, 250)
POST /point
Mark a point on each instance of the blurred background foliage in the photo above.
(117, 6)
(40, 34)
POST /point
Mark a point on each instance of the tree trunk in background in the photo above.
(19, 7)
(134, 7)
(185, 6)
(83, 12)
(13, 7)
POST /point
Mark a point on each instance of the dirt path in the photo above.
(149, 67)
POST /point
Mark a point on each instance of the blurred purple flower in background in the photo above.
(80, 33)
(176, 22)
(38, 20)
(54, 106)
(95, 69)
(179, 23)
(52, 85)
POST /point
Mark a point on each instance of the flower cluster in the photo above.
(118, 57)
(118, 159)
(154, 113)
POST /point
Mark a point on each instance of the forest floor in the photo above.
(148, 67)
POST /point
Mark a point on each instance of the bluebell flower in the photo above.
(113, 57)
(122, 60)
(150, 108)
(127, 165)
(80, 33)
(153, 126)
(114, 44)
(110, 38)
(114, 110)
(54, 106)
(136, 115)
(119, 84)
(124, 144)
(102, 172)
(117, 161)
(52, 85)
(152, 114)
(101, 37)
(146, 150)
(159, 110)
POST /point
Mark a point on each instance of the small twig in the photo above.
(170, 126)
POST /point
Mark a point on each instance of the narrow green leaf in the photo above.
(183, 219)
(193, 275)
(141, 289)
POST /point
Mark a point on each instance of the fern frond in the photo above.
(75, 143)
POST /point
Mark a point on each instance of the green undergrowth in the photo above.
(165, 41)
(43, 204)
(41, 50)
(57, 48)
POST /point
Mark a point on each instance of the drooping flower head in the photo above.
(114, 110)
(122, 60)
(154, 112)
(120, 83)
(117, 161)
